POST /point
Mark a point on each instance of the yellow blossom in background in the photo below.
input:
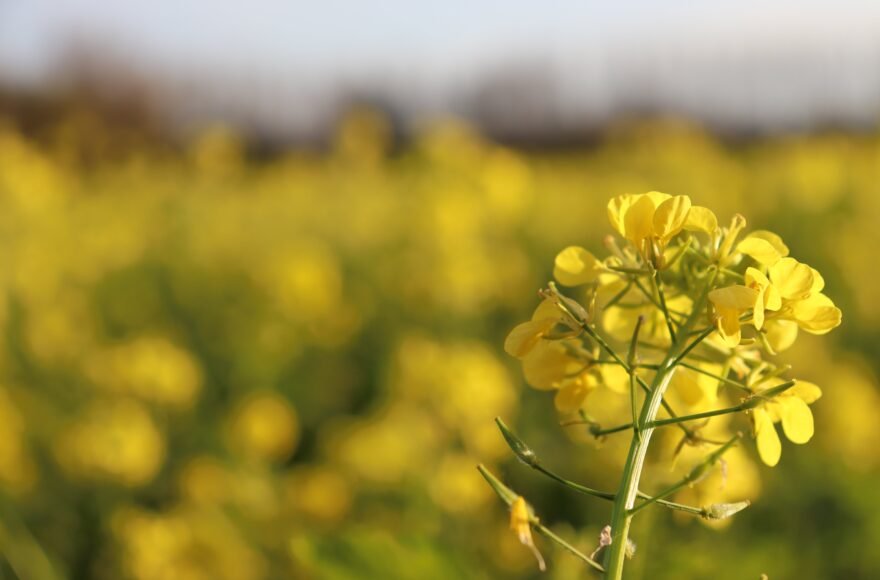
(112, 439)
(215, 352)
(264, 427)
(150, 368)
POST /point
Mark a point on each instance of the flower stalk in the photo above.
(701, 304)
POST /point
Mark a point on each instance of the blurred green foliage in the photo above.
(213, 367)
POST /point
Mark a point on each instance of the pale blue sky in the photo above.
(746, 61)
(329, 35)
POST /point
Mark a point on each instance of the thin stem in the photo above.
(747, 404)
(654, 300)
(655, 279)
(508, 496)
(545, 531)
(631, 361)
(528, 456)
(607, 348)
(720, 378)
(573, 485)
(700, 337)
(636, 366)
(617, 297)
(703, 415)
(681, 251)
(626, 270)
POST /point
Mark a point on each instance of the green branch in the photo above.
(697, 473)
(508, 496)
(527, 456)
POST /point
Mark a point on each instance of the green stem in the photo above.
(719, 378)
(621, 519)
(632, 360)
(694, 475)
(528, 456)
(654, 300)
(655, 280)
(617, 297)
(613, 354)
(627, 493)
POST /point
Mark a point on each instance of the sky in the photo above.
(671, 49)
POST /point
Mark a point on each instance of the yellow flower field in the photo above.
(216, 365)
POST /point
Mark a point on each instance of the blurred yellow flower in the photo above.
(265, 427)
(115, 440)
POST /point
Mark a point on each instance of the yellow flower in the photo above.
(801, 287)
(520, 522)
(649, 217)
(792, 410)
(730, 302)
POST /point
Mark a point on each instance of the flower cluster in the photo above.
(700, 312)
(674, 253)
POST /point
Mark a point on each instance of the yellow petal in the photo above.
(686, 384)
(756, 278)
(772, 299)
(762, 253)
(617, 208)
(781, 334)
(548, 364)
(817, 314)
(769, 446)
(758, 312)
(737, 224)
(701, 219)
(797, 419)
(547, 309)
(523, 338)
(806, 391)
(670, 216)
(571, 397)
(620, 322)
(657, 197)
(761, 250)
(639, 220)
(728, 325)
(615, 378)
(575, 266)
(735, 297)
(793, 279)
(520, 516)
(769, 294)
(818, 282)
